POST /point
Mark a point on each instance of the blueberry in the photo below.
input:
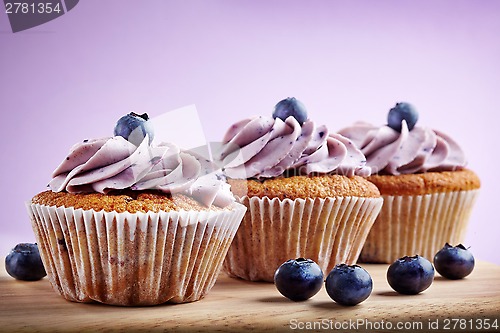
(410, 275)
(454, 262)
(402, 111)
(24, 262)
(298, 279)
(348, 284)
(290, 107)
(134, 127)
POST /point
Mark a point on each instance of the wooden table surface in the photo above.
(235, 305)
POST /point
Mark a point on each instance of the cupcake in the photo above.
(304, 189)
(428, 193)
(128, 224)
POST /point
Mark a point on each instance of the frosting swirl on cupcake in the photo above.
(419, 150)
(264, 147)
(113, 163)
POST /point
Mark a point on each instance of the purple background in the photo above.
(72, 78)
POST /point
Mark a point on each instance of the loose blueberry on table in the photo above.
(410, 275)
(298, 279)
(290, 107)
(348, 284)
(454, 262)
(24, 263)
(402, 111)
(134, 127)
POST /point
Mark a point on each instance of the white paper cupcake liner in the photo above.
(133, 259)
(420, 224)
(329, 231)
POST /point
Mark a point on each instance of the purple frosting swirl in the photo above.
(107, 164)
(419, 150)
(263, 147)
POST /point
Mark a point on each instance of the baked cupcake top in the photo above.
(402, 147)
(287, 144)
(128, 163)
(305, 187)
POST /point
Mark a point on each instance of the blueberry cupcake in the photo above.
(304, 189)
(428, 191)
(128, 222)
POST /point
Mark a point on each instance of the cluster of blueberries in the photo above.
(401, 111)
(300, 279)
(134, 127)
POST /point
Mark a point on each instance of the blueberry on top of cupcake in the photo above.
(402, 147)
(134, 127)
(290, 107)
(287, 144)
(129, 161)
(402, 111)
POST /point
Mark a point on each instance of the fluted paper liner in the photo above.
(133, 259)
(329, 231)
(419, 224)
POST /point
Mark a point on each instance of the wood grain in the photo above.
(235, 305)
